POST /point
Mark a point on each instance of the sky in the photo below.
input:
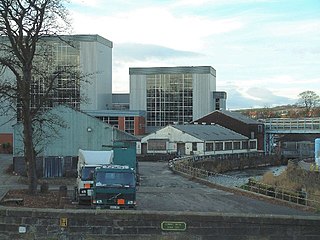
(265, 52)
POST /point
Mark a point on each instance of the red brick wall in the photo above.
(6, 138)
(139, 126)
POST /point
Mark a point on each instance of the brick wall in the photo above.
(6, 142)
(105, 224)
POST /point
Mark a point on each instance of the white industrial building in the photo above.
(174, 94)
(91, 55)
(196, 139)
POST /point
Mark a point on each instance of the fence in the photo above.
(296, 197)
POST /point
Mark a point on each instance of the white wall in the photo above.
(138, 92)
(96, 59)
(203, 86)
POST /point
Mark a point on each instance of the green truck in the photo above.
(114, 187)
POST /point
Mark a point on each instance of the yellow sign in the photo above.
(63, 222)
(173, 226)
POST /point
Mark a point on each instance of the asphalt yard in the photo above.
(163, 190)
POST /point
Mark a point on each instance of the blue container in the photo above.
(317, 151)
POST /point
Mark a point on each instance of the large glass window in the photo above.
(59, 61)
(169, 99)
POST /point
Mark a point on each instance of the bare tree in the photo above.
(309, 100)
(24, 24)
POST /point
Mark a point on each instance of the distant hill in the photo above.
(284, 111)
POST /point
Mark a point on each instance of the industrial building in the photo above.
(130, 121)
(91, 55)
(196, 139)
(237, 122)
(174, 95)
(57, 146)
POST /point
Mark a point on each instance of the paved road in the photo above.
(163, 190)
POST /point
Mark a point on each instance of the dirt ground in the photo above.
(22, 198)
(44, 198)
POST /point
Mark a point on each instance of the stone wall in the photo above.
(23, 223)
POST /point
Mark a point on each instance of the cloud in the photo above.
(264, 51)
(138, 51)
(155, 25)
(91, 3)
(255, 97)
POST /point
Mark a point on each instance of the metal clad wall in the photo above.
(203, 87)
(96, 58)
(75, 136)
(53, 167)
(138, 92)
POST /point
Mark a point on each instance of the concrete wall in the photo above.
(96, 60)
(203, 86)
(107, 224)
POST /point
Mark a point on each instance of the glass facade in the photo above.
(59, 61)
(169, 99)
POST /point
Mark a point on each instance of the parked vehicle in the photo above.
(126, 156)
(87, 163)
(114, 187)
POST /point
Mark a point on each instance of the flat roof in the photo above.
(173, 70)
(115, 113)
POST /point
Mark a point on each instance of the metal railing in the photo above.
(292, 125)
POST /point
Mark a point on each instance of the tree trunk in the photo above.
(29, 153)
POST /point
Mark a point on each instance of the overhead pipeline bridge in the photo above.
(277, 126)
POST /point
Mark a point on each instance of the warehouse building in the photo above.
(57, 142)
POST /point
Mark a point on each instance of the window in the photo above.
(129, 125)
(209, 147)
(169, 99)
(236, 145)
(260, 128)
(228, 146)
(253, 144)
(194, 146)
(244, 144)
(156, 144)
(219, 146)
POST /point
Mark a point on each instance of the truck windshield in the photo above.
(87, 173)
(116, 179)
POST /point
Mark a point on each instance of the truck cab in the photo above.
(114, 187)
(85, 183)
(88, 161)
